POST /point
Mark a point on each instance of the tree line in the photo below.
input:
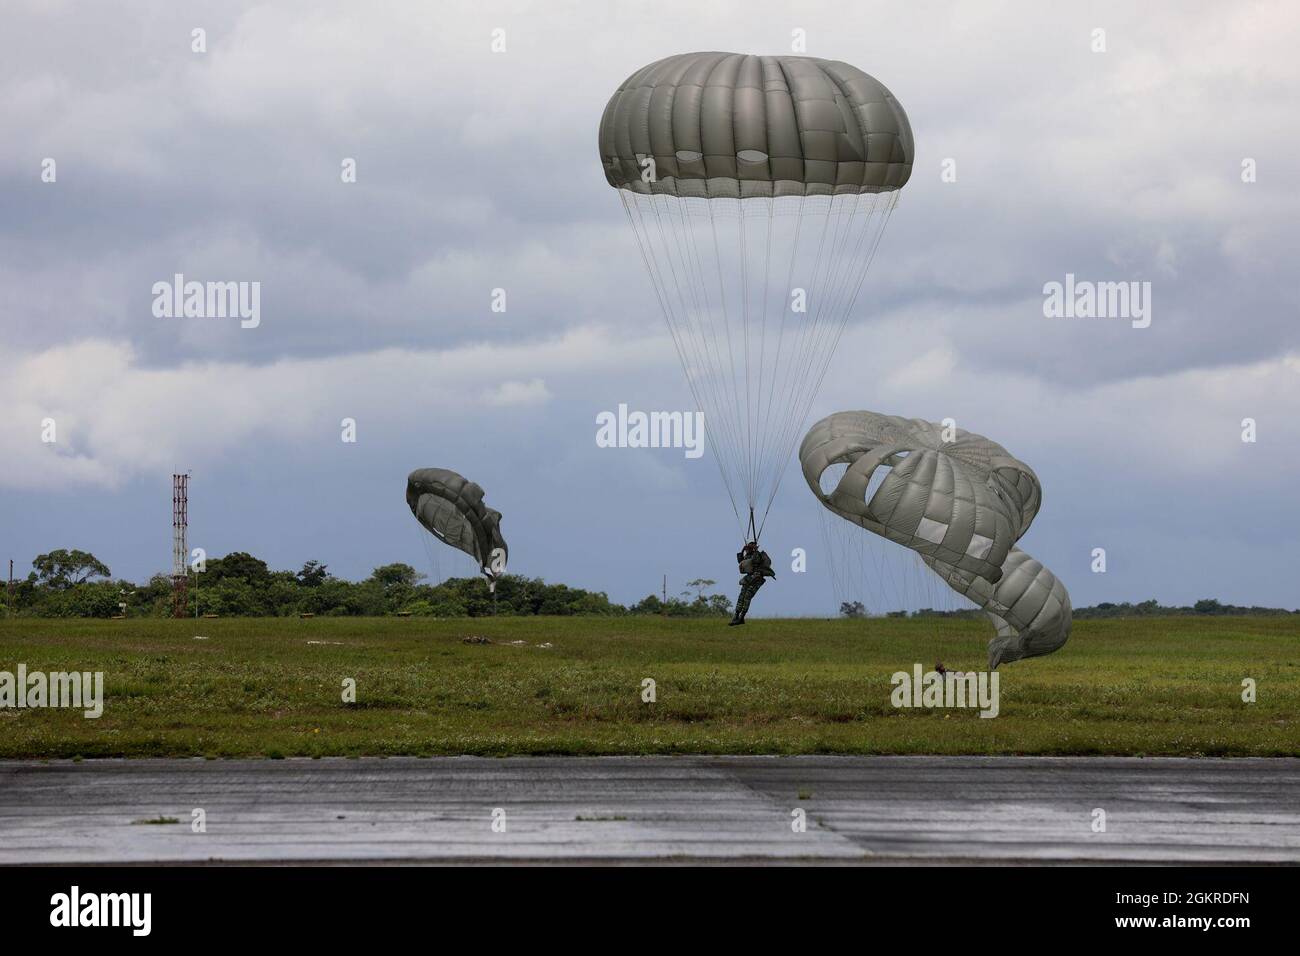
(72, 583)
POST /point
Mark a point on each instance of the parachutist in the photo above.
(755, 568)
(700, 139)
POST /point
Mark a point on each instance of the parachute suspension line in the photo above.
(880, 212)
(679, 330)
(759, 460)
(880, 207)
(883, 575)
(827, 293)
(723, 421)
(814, 294)
(727, 410)
(788, 352)
(823, 308)
(838, 215)
(831, 315)
(741, 386)
(786, 308)
(705, 386)
(726, 319)
(834, 562)
(826, 315)
(427, 545)
(842, 560)
(721, 415)
(755, 365)
(744, 322)
(863, 567)
(703, 342)
(871, 239)
(652, 267)
(752, 533)
(843, 555)
(756, 403)
(806, 343)
(787, 423)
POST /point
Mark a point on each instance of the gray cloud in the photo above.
(479, 171)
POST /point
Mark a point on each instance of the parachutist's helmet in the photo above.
(750, 547)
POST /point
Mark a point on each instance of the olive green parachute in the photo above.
(728, 124)
(757, 188)
(451, 508)
(958, 500)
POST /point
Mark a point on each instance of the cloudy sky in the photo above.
(478, 170)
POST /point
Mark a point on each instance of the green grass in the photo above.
(256, 687)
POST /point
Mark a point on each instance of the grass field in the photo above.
(261, 687)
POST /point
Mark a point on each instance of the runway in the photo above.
(652, 809)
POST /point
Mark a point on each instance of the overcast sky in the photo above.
(479, 170)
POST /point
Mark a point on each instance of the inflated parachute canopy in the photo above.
(730, 124)
(964, 502)
(451, 508)
(960, 501)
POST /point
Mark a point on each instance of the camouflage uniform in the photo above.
(756, 568)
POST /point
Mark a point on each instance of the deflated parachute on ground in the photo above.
(757, 188)
(451, 508)
(960, 503)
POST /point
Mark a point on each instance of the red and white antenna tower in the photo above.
(180, 545)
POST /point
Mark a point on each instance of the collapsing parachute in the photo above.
(958, 500)
(451, 508)
(758, 188)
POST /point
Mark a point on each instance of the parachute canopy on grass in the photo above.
(957, 499)
(451, 508)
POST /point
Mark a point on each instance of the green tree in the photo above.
(699, 584)
(396, 574)
(313, 574)
(63, 569)
(237, 565)
(719, 604)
